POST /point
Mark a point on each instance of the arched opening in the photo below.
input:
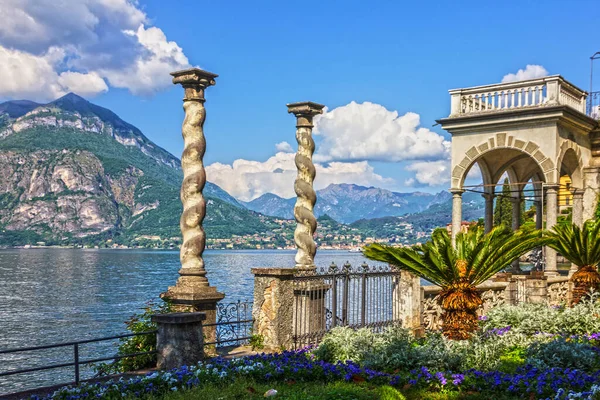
(570, 191)
(512, 183)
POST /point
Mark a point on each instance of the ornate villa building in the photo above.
(541, 134)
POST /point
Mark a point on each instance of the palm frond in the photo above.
(581, 246)
(484, 254)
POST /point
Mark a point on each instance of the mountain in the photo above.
(436, 215)
(72, 172)
(348, 203)
(273, 205)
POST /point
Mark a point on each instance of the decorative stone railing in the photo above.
(549, 91)
(553, 291)
(493, 294)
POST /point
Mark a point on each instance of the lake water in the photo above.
(50, 296)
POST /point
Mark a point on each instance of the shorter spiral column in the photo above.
(306, 196)
(192, 291)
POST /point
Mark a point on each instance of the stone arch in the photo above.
(570, 161)
(501, 141)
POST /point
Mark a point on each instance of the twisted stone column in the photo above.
(192, 291)
(306, 196)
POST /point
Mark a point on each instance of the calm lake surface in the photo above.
(50, 296)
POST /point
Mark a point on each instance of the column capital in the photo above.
(194, 81)
(304, 112)
(456, 192)
(551, 187)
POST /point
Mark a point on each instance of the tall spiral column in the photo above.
(192, 290)
(306, 196)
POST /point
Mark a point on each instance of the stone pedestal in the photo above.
(273, 309)
(406, 301)
(204, 300)
(179, 340)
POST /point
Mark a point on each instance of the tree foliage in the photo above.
(581, 246)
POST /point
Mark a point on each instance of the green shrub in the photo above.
(138, 323)
(530, 319)
(563, 353)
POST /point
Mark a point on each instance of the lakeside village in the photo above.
(330, 236)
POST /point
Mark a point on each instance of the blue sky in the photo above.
(400, 56)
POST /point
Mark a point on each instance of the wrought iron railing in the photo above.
(77, 360)
(234, 324)
(593, 105)
(356, 297)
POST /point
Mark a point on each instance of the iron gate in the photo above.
(355, 297)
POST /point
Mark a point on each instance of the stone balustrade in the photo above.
(549, 91)
(424, 313)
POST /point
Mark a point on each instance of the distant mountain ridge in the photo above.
(73, 111)
(348, 203)
(74, 172)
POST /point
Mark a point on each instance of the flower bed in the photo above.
(519, 352)
(554, 383)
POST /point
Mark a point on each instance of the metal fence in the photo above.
(355, 297)
(593, 105)
(234, 324)
(77, 361)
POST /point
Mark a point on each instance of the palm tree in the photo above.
(460, 268)
(581, 246)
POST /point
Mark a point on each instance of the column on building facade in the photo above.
(577, 210)
(456, 211)
(539, 214)
(591, 190)
(551, 218)
(576, 217)
(489, 211)
(516, 223)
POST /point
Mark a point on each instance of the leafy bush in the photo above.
(138, 323)
(563, 353)
(530, 319)
(504, 350)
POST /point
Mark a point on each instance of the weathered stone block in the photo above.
(179, 340)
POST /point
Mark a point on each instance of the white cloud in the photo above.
(530, 72)
(49, 47)
(247, 180)
(24, 75)
(150, 71)
(284, 147)
(430, 173)
(370, 132)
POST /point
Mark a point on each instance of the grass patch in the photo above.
(290, 390)
(249, 389)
